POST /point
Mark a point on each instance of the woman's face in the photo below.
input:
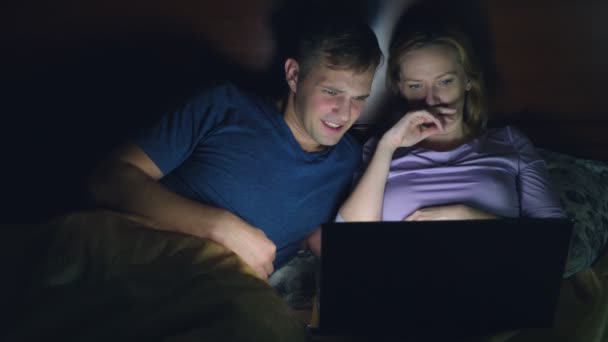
(431, 76)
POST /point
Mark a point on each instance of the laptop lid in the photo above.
(441, 278)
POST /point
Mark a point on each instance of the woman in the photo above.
(439, 162)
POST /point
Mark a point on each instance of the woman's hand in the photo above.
(414, 127)
(449, 212)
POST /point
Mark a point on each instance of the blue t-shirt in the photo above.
(232, 150)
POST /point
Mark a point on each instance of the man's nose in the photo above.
(345, 113)
(343, 108)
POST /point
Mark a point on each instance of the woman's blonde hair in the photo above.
(475, 108)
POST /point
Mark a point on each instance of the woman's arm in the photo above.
(366, 201)
(536, 195)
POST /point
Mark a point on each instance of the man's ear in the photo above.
(468, 86)
(292, 70)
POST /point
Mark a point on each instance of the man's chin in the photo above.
(329, 142)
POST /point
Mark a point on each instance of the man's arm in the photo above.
(129, 181)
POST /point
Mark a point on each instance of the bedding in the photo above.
(582, 185)
(109, 277)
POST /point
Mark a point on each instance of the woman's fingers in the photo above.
(428, 122)
(417, 125)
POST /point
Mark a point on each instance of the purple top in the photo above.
(500, 173)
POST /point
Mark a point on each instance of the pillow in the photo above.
(296, 280)
(582, 186)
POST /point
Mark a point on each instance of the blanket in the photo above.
(106, 276)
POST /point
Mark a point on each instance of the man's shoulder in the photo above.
(228, 97)
(220, 90)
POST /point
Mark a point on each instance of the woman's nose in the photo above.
(431, 98)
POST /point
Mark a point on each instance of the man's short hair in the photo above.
(316, 33)
(346, 43)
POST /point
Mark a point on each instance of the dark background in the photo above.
(76, 79)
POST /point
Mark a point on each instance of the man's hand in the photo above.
(449, 212)
(414, 127)
(248, 242)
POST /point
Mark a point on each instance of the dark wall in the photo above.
(78, 78)
(552, 56)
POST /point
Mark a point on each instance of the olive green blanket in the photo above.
(111, 277)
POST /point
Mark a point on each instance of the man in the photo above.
(254, 177)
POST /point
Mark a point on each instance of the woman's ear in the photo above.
(468, 86)
(292, 69)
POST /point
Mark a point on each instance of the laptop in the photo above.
(441, 280)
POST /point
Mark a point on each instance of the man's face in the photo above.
(324, 103)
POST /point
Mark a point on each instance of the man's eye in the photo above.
(330, 92)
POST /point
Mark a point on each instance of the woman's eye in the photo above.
(330, 92)
(415, 86)
(446, 82)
